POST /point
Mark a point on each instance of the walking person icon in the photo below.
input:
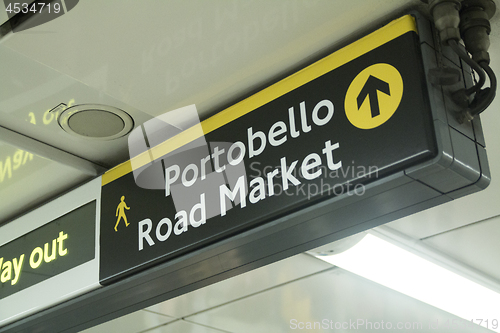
(120, 212)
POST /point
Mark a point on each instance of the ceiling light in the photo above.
(96, 122)
(419, 273)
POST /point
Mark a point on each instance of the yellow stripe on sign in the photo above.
(364, 45)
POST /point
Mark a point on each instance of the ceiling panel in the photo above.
(132, 323)
(27, 180)
(335, 295)
(475, 245)
(161, 55)
(182, 326)
(240, 286)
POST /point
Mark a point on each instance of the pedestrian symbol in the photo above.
(120, 212)
(374, 96)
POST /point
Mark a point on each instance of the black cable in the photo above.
(485, 96)
(474, 65)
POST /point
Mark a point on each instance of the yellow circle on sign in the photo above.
(373, 96)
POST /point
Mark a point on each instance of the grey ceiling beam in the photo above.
(50, 152)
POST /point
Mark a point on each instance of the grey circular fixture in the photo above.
(96, 122)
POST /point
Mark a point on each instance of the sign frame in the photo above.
(428, 173)
(56, 289)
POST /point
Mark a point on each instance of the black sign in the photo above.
(52, 249)
(364, 117)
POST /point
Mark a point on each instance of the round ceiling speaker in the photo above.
(96, 122)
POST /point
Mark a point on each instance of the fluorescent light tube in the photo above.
(394, 267)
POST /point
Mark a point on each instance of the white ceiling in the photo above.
(147, 57)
